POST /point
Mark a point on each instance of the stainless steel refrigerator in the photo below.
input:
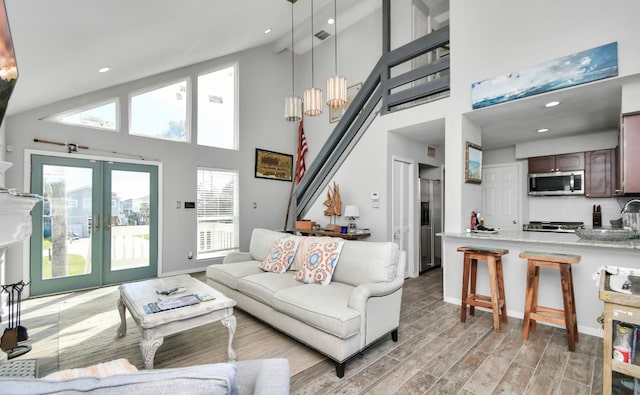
(430, 224)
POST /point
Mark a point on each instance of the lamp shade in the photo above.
(336, 91)
(292, 109)
(312, 102)
(351, 211)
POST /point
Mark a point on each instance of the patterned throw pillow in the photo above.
(281, 256)
(304, 243)
(320, 262)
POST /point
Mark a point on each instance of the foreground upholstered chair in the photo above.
(260, 376)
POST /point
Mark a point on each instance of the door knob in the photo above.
(514, 222)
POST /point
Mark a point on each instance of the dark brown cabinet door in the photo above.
(542, 164)
(599, 173)
(551, 163)
(629, 157)
(568, 162)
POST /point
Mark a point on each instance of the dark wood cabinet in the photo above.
(628, 156)
(551, 163)
(600, 173)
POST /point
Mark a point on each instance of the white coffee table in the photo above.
(155, 326)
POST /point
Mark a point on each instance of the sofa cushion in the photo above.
(281, 255)
(261, 242)
(229, 273)
(364, 262)
(262, 286)
(320, 262)
(203, 379)
(322, 307)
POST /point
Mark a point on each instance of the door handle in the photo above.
(107, 223)
(514, 222)
(96, 222)
(396, 235)
(572, 183)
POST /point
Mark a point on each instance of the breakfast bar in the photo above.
(594, 254)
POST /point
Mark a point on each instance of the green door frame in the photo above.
(101, 273)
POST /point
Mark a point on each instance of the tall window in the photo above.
(217, 109)
(161, 113)
(217, 210)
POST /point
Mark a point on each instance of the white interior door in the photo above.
(403, 215)
(501, 197)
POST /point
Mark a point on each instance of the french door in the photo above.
(98, 223)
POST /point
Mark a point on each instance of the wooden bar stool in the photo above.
(496, 301)
(533, 312)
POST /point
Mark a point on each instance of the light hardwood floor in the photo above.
(436, 354)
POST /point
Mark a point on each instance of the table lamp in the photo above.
(351, 213)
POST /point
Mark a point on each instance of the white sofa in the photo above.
(360, 305)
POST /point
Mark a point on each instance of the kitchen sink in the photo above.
(605, 234)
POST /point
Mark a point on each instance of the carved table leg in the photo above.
(149, 345)
(122, 330)
(230, 324)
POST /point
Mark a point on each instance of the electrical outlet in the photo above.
(190, 254)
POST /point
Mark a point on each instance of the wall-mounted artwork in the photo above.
(582, 67)
(274, 165)
(8, 67)
(473, 163)
(335, 114)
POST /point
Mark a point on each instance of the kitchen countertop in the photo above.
(546, 238)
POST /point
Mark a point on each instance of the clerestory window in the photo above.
(161, 112)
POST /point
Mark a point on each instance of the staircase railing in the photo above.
(395, 93)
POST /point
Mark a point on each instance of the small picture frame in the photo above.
(473, 164)
(273, 165)
(335, 114)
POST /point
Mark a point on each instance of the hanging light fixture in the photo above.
(312, 96)
(292, 104)
(336, 85)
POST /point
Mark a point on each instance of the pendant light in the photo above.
(292, 104)
(312, 96)
(336, 85)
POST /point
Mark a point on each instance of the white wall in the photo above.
(261, 126)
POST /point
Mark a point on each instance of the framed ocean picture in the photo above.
(579, 68)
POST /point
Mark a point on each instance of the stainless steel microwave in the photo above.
(557, 183)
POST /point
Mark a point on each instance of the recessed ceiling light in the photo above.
(331, 21)
(267, 31)
(104, 69)
(552, 104)
(542, 130)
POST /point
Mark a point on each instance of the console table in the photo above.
(321, 232)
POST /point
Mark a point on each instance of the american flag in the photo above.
(302, 150)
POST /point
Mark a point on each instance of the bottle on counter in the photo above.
(474, 220)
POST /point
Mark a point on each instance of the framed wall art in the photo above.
(335, 114)
(273, 165)
(473, 164)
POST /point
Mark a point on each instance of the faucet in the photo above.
(627, 209)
